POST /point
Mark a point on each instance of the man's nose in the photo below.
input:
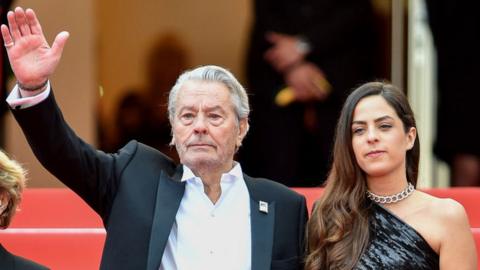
(200, 125)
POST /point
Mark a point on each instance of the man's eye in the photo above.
(216, 119)
(214, 116)
(187, 116)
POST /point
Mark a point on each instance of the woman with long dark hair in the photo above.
(370, 215)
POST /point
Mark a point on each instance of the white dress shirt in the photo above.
(15, 100)
(207, 236)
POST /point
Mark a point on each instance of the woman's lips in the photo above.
(375, 153)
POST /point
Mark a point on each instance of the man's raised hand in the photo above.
(32, 60)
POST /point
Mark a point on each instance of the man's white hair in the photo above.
(213, 74)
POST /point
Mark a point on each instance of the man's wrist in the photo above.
(303, 46)
(32, 88)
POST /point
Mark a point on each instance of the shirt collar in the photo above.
(235, 173)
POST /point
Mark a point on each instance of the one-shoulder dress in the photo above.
(396, 245)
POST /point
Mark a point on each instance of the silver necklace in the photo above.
(392, 198)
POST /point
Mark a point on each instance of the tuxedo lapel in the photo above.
(262, 220)
(169, 195)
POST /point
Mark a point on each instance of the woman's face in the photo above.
(379, 140)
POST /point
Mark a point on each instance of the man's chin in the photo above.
(201, 162)
(201, 148)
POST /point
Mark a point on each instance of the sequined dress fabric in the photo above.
(395, 245)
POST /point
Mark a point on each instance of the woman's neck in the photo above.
(387, 184)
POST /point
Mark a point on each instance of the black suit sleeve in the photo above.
(92, 174)
(303, 218)
(24, 264)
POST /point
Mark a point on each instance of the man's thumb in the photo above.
(59, 43)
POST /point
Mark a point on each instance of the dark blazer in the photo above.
(8, 261)
(137, 193)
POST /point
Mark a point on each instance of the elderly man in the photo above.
(202, 214)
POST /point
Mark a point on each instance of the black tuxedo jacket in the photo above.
(137, 193)
(8, 261)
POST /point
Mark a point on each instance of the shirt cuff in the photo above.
(15, 100)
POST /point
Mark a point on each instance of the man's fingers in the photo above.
(275, 60)
(274, 37)
(59, 43)
(7, 38)
(13, 26)
(317, 92)
(282, 65)
(35, 26)
(21, 20)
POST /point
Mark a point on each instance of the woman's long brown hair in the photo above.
(338, 230)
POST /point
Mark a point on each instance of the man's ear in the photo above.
(243, 127)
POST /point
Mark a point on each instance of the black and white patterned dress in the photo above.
(395, 245)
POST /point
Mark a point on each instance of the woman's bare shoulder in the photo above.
(445, 210)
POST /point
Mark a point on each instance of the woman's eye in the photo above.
(385, 126)
(358, 131)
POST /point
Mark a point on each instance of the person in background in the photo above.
(370, 215)
(167, 60)
(455, 28)
(303, 58)
(142, 112)
(12, 184)
(130, 121)
(203, 213)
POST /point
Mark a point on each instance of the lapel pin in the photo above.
(263, 207)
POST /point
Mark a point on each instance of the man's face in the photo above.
(205, 127)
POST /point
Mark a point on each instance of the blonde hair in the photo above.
(12, 183)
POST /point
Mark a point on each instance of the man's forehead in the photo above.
(204, 96)
(203, 92)
(194, 86)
